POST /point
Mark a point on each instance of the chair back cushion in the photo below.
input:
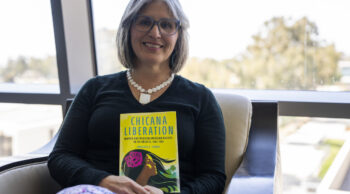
(237, 112)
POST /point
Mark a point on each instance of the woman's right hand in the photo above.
(122, 185)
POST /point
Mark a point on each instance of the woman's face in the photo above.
(152, 47)
(150, 165)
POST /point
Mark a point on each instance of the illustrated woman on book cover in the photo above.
(152, 45)
(147, 168)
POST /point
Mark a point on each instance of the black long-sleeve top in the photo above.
(87, 149)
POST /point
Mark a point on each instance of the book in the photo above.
(148, 149)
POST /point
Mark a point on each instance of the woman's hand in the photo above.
(153, 190)
(123, 185)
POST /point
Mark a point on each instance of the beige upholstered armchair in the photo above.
(252, 147)
(252, 164)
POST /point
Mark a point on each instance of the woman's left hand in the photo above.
(153, 190)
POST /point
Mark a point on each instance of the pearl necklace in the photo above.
(145, 95)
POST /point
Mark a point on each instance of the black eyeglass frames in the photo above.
(166, 26)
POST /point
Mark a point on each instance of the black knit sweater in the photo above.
(87, 149)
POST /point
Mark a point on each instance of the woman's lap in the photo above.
(85, 189)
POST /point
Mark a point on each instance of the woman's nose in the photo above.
(155, 32)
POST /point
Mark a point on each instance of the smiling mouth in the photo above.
(150, 45)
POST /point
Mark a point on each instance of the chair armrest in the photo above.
(28, 173)
(256, 174)
(29, 176)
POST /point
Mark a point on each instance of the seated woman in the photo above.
(153, 45)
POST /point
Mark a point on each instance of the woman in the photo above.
(148, 169)
(152, 44)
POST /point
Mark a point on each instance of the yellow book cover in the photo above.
(148, 149)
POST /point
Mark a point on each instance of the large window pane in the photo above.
(25, 128)
(28, 56)
(271, 44)
(309, 147)
(107, 15)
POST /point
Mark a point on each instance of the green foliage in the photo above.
(334, 142)
(171, 172)
(209, 72)
(334, 146)
(30, 70)
(13, 68)
(282, 56)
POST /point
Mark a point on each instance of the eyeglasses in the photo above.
(166, 26)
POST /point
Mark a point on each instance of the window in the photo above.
(25, 128)
(28, 56)
(289, 45)
(309, 147)
(107, 15)
(269, 49)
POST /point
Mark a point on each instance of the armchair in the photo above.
(252, 165)
(252, 147)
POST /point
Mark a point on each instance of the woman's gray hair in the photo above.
(125, 52)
